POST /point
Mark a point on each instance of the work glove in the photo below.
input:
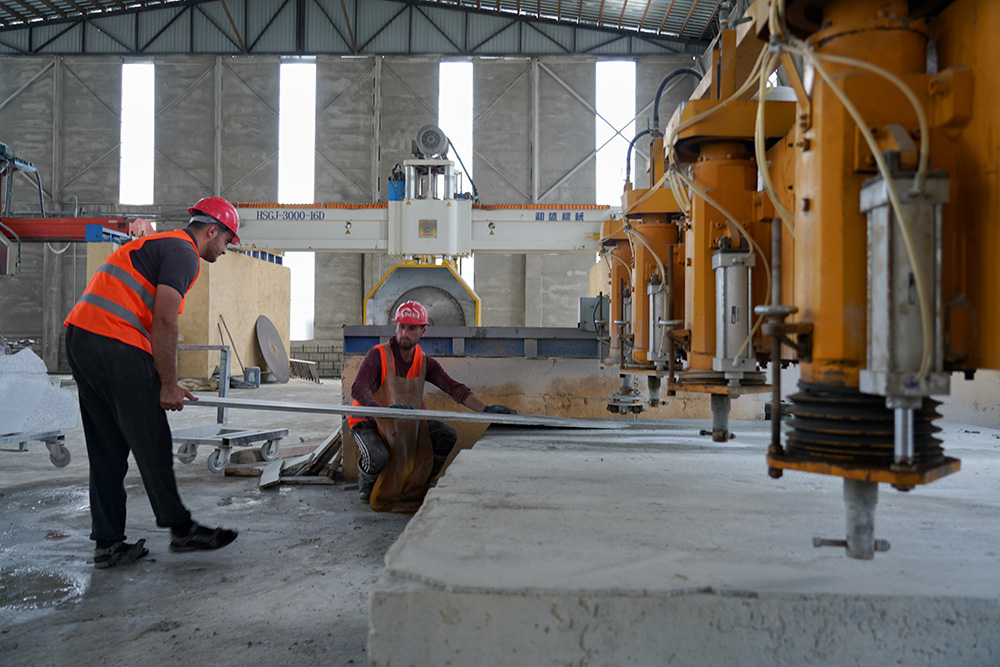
(500, 410)
(401, 406)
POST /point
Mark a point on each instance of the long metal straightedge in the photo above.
(396, 413)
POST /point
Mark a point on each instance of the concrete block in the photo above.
(28, 401)
(651, 546)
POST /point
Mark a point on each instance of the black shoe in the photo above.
(119, 553)
(200, 538)
(366, 483)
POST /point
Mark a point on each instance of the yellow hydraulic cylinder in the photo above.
(621, 286)
(651, 259)
(726, 172)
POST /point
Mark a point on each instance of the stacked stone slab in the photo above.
(29, 403)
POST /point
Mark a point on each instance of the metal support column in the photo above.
(535, 133)
(55, 186)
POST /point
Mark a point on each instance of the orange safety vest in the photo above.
(385, 349)
(118, 302)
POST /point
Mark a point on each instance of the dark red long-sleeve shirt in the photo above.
(369, 377)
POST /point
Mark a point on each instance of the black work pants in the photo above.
(119, 391)
(374, 453)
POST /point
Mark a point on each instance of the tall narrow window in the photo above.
(455, 120)
(135, 182)
(296, 180)
(615, 126)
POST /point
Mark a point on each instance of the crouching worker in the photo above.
(399, 457)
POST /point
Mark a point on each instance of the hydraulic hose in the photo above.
(475, 191)
(659, 91)
(628, 156)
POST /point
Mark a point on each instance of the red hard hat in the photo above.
(411, 312)
(221, 210)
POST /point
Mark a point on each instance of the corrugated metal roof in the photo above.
(472, 27)
(658, 17)
(685, 18)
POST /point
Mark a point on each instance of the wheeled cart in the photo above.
(220, 435)
(54, 440)
(224, 438)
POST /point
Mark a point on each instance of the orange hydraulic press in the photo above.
(727, 251)
(645, 261)
(882, 285)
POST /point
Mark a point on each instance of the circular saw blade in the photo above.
(272, 348)
(443, 309)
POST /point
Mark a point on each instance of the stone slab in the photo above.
(28, 401)
(653, 546)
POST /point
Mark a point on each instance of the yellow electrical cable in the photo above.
(896, 206)
(659, 263)
(759, 149)
(605, 238)
(609, 256)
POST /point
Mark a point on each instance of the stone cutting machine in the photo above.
(692, 253)
(853, 208)
(428, 224)
(827, 197)
(890, 285)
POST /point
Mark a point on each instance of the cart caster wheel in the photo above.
(59, 456)
(269, 450)
(218, 460)
(187, 453)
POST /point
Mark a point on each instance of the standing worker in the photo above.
(392, 375)
(121, 343)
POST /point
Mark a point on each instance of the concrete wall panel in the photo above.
(185, 130)
(27, 120)
(500, 286)
(21, 297)
(501, 113)
(409, 101)
(566, 138)
(344, 125)
(250, 129)
(567, 130)
(339, 295)
(91, 130)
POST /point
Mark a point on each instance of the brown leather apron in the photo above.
(403, 483)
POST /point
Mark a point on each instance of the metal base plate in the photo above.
(923, 474)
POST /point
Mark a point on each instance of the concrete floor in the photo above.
(644, 546)
(293, 588)
(654, 546)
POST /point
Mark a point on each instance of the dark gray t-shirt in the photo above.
(168, 261)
